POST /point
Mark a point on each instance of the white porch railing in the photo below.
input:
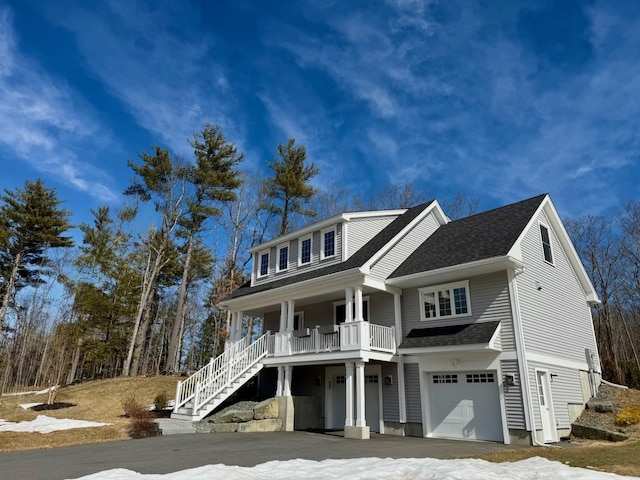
(186, 390)
(227, 374)
(349, 336)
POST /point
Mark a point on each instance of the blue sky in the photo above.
(498, 100)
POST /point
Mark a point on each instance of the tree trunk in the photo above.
(173, 352)
(4, 307)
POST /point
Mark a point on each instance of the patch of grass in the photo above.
(96, 400)
(621, 458)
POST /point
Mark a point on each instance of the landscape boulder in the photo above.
(267, 425)
(236, 416)
(268, 409)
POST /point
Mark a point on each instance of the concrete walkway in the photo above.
(171, 453)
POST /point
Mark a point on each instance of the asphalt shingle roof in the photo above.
(356, 260)
(464, 334)
(478, 237)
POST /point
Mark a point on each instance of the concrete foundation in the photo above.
(358, 433)
(286, 413)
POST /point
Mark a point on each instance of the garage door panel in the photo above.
(465, 405)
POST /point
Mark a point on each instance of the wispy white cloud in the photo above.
(164, 74)
(42, 118)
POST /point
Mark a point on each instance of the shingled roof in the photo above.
(478, 237)
(356, 260)
(464, 334)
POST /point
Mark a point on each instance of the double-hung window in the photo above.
(328, 247)
(445, 301)
(304, 249)
(546, 243)
(263, 269)
(283, 257)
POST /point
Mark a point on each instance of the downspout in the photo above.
(521, 355)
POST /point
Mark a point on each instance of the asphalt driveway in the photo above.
(171, 453)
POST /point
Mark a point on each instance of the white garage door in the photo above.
(465, 405)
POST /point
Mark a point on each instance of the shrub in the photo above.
(160, 402)
(142, 424)
(628, 416)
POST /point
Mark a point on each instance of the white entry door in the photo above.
(336, 397)
(547, 417)
(465, 405)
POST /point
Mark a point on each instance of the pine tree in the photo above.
(288, 188)
(31, 222)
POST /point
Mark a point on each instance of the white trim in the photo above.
(473, 347)
(322, 242)
(300, 315)
(259, 273)
(303, 239)
(380, 285)
(503, 405)
(280, 247)
(344, 240)
(471, 269)
(544, 257)
(551, 360)
(518, 333)
(450, 287)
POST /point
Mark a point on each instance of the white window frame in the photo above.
(300, 240)
(322, 242)
(343, 302)
(280, 247)
(260, 255)
(544, 257)
(447, 286)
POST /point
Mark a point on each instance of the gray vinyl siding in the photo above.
(294, 268)
(489, 302)
(381, 308)
(555, 316)
(412, 388)
(390, 409)
(271, 322)
(565, 389)
(361, 230)
(405, 247)
(513, 400)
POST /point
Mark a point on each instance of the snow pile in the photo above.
(44, 424)
(39, 392)
(27, 406)
(375, 468)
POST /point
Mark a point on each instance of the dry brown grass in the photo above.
(97, 401)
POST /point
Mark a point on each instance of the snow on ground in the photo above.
(27, 406)
(375, 468)
(39, 392)
(44, 424)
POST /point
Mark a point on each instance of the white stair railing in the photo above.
(186, 390)
(224, 376)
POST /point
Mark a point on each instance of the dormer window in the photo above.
(283, 257)
(304, 247)
(328, 247)
(264, 264)
(546, 244)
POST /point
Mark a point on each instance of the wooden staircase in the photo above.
(206, 389)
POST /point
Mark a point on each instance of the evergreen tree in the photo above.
(288, 189)
(31, 222)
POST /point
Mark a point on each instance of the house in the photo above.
(405, 322)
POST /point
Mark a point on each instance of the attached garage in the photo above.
(465, 405)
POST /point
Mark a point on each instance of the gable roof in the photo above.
(358, 259)
(478, 237)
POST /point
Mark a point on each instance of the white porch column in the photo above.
(358, 302)
(348, 421)
(232, 326)
(283, 316)
(291, 305)
(286, 390)
(360, 418)
(402, 399)
(348, 306)
(239, 327)
(280, 381)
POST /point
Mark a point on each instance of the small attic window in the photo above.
(546, 244)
